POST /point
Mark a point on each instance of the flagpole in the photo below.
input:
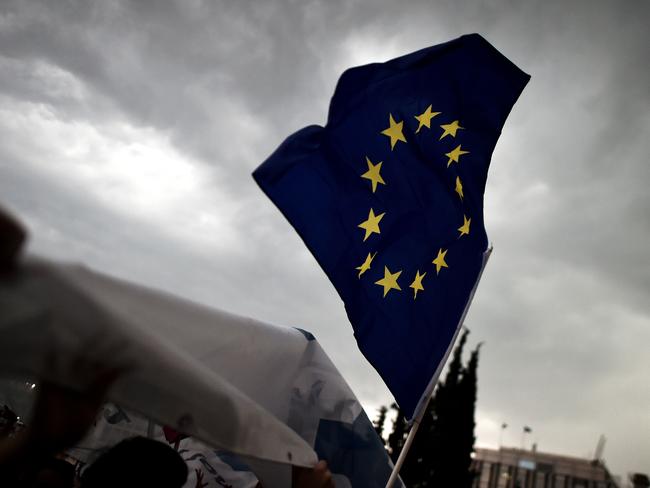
(405, 450)
(424, 401)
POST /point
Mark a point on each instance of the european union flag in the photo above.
(388, 196)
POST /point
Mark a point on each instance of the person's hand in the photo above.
(199, 479)
(317, 477)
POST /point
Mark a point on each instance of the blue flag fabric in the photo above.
(388, 196)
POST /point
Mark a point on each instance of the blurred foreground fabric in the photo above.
(267, 394)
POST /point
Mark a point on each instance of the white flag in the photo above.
(268, 394)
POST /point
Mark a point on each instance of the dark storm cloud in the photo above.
(563, 305)
(191, 69)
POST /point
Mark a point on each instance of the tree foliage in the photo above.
(398, 435)
(380, 421)
(440, 455)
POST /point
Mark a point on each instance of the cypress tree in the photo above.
(416, 471)
(379, 422)
(445, 445)
(398, 435)
(429, 455)
(440, 455)
(467, 407)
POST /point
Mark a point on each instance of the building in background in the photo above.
(518, 468)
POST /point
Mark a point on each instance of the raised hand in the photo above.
(199, 479)
(317, 477)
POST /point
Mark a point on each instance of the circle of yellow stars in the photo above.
(370, 226)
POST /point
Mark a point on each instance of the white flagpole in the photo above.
(426, 397)
(405, 450)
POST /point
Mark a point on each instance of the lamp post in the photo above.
(525, 430)
(504, 426)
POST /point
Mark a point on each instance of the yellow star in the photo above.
(464, 229)
(371, 224)
(366, 264)
(459, 188)
(373, 174)
(425, 118)
(389, 281)
(394, 131)
(450, 129)
(455, 155)
(417, 283)
(440, 260)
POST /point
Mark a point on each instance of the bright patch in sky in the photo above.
(133, 170)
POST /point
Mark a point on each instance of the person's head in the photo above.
(53, 473)
(137, 462)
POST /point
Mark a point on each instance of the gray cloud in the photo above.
(215, 86)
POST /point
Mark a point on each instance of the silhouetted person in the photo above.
(134, 463)
(52, 473)
(60, 418)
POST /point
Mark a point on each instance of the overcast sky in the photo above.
(128, 132)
